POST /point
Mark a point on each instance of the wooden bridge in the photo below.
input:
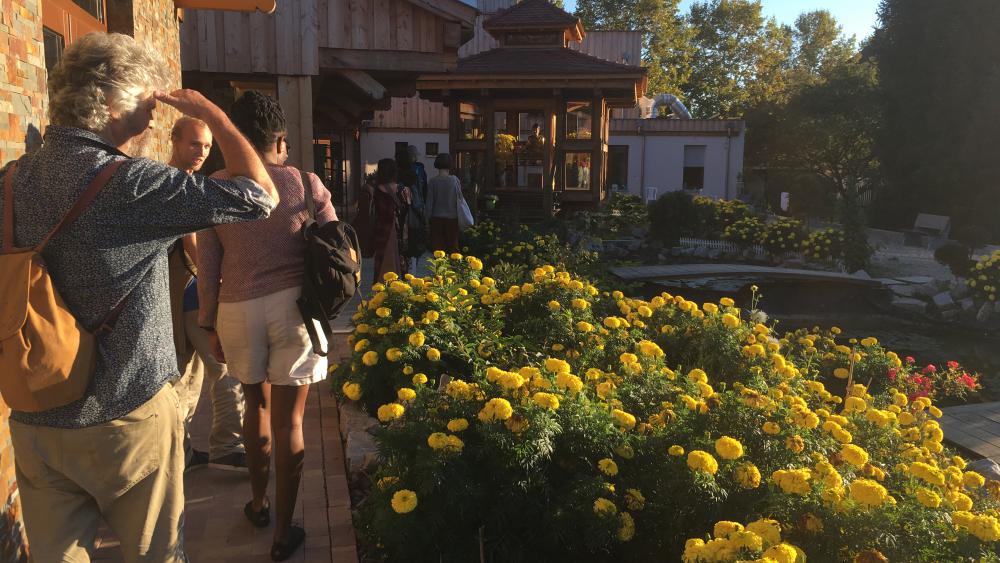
(974, 428)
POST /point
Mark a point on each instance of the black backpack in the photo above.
(332, 270)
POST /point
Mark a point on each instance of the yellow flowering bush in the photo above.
(984, 278)
(745, 233)
(782, 236)
(826, 245)
(531, 439)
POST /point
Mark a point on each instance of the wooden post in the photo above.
(295, 96)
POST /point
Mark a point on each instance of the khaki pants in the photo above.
(130, 471)
(201, 369)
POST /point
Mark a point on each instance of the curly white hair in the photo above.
(100, 76)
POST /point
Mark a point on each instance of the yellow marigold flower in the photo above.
(457, 424)
(433, 354)
(960, 501)
(675, 451)
(854, 404)
(555, 365)
(650, 349)
(496, 409)
(699, 460)
(361, 345)
(510, 380)
(417, 339)
(769, 530)
(625, 451)
(644, 311)
(383, 312)
(612, 323)
(730, 320)
(406, 394)
(727, 302)
(579, 304)
(934, 411)
(370, 358)
(623, 419)
(793, 481)
(868, 493)
(394, 354)
(748, 476)
(431, 316)
(781, 553)
(437, 440)
(854, 455)
(973, 480)
(352, 391)
(726, 528)
(841, 373)
(608, 467)
(474, 263)
(554, 305)
(603, 506)
(626, 528)
(604, 389)
(569, 382)
(404, 501)
(870, 556)
(419, 379)
(728, 448)
(697, 376)
(771, 428)
(795, 443)
(390, 412)
(584, 326)
(546, 400)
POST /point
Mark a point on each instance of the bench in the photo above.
(928, 230)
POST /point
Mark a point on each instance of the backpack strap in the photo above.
(8, 209)
(88, 196)
(307, 186)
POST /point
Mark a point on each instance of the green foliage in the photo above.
(678, 214)
(857, 251)
(617, 218)
(783, 235)
(826, 245)
(745, 233)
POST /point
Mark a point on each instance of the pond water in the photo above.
(861, 312)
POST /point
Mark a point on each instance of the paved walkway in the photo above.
(215, 529)
(974, 427)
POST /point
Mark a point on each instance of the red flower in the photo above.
(917, 395)
(910, 360)
(952, 364)
(967, 380)
(929, 368)
(892, 374)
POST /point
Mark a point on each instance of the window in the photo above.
(469, 168)
(694, 167)
(53, 44)
(431, 149)
(519, 149)
(577, 171)
(579, 120)
(401, 147)
(471, 119)
(531, 125)
(618, 168)
(92, 7)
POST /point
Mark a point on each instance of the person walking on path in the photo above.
(443, 193)
(191, 142)
(390, 226)
(117, 452)
(250, 279)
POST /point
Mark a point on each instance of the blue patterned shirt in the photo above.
(117, 250)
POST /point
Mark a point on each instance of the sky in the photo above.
(856, 16)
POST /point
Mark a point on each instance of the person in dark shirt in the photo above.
(117, 452)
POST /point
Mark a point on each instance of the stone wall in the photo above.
(22, 119)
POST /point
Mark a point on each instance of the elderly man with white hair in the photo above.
(117, 451)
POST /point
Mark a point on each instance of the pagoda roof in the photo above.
(534, 15)
(541, 60)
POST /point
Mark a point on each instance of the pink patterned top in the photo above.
(245, 261)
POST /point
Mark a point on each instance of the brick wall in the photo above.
(23, 107)
(22, 118)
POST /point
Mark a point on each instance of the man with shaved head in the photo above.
(192, 141)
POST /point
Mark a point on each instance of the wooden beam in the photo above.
(365, 83)
(394, 61)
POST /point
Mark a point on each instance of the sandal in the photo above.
(260, 519)
(281, 551)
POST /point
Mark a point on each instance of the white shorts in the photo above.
(265, 340)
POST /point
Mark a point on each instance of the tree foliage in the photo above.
(939, 77)
(667, 51)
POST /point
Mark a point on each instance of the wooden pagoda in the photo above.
(529, 119)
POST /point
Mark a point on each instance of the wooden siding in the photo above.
(232, 42)
(615, 46)
(383, 25)
(412, 113)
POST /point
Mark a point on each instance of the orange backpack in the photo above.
(46, 358)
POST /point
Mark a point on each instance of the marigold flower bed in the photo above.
(550, 420)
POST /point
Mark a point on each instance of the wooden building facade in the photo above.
(330, 63)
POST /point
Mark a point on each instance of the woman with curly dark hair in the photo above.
(251, 277)
(390, 233)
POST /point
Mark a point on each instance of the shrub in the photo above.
(956, 256)
(984, 278)
(745, 232)
(671, 217)
(827, 245)
(552, 421)
(783, 235)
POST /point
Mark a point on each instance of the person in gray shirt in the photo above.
(117, 452)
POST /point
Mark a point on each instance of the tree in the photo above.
(938, 141)
(666, 47)
(741, 57)
(818, 42)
